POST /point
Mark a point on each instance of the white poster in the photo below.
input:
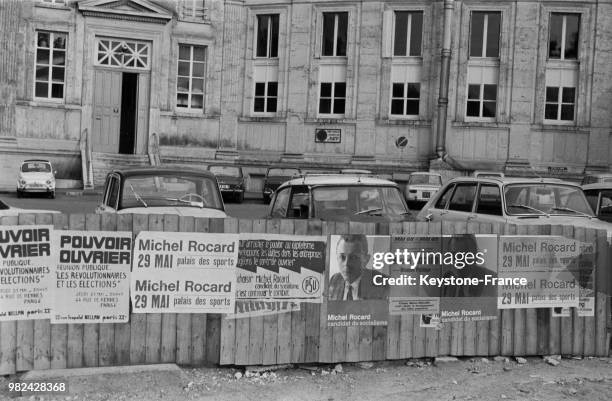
(184, 273)
(26, 272)
(92, 278)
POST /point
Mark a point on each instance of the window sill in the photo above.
(199, 114)
(549, 126)
(204, 20)
(479, 123)
(415, 122)
(48, 103)
(275, 119)
(330, 120)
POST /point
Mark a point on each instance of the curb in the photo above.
(34, 375)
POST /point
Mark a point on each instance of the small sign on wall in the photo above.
(326, 135)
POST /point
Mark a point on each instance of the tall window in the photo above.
(560, 103)
(483, 65)
(335, 27)
(405, 99)
(332, 98)
(563, 40)
(408, 33)
(190, 78)
(482, 100)
(50, 65)
(484, 34)
(266, 95)
(194, 9)
(267, 36)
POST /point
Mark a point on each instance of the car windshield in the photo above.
(345, 201)
(425, 179)
(35, 167)
(170, 190)
(228, 171)
(283, 172)
(546, 199)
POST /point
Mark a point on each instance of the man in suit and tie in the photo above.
(354, 281)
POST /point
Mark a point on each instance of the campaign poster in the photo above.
(413, 257)
(467, 290)
(357, 294)
(92, 277)
(26, 272)
(179, 272)
(276, 272)
(550, 267)
(586, 280)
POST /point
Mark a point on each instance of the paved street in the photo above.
(251, 208)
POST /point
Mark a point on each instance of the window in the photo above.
(50, 65)
(563, 40)
(194, 9)
(335, 27)
(190, 78)
(405, 99)
(281, 203)
(266, 95)
(484, 34)
(560, 103)
(408, 33)
(122, 53)
(463, 198)
(482, 100)
(267, 36)
(332, 98)
(443, 200)
(300, 203)
(489, 200)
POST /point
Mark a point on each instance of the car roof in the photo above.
(338, 179)
(425, 173)
(513, 180)
(161, 170)
(36, 160)
(598, 185)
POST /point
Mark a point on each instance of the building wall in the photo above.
(227, 128)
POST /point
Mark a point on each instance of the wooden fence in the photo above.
(298, 336)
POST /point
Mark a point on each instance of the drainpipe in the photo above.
(449, 6)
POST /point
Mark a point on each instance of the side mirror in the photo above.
(428, 217)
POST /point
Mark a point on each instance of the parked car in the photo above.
(10, 211)
(36, 176)
(511, 200)
(340, 197)
(421, 186)
(159, 190)
(599, 197)
(231, 181)
(483, 174)
(275, 177)
(595, 178)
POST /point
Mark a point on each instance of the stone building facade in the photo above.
(315, 84)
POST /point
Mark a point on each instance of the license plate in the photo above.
(426, 194)
(35, 185)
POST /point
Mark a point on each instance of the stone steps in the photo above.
(104, 163)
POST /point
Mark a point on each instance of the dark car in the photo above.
(162, 190)
(231, 181)
(340, 197)
(275, 176)
(599, 197)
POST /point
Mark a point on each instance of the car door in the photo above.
(489, 207)
(461, 202)
(436, 208)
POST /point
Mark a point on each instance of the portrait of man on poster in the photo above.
(353, 280)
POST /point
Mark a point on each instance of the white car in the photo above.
(36, 176)
(421, 186)
(9, 211)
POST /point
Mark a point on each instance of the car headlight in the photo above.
(21, 182)
(49, 182)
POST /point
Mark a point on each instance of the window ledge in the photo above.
(204, 20)
(404, 121)
(199, 114)
(52, 104)
(565, 127)
(263, 119)
(331, 120)
(483, 124)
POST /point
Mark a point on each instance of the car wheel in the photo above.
(19, 194)
(240, 197)
(52, 195)
(266, 199)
